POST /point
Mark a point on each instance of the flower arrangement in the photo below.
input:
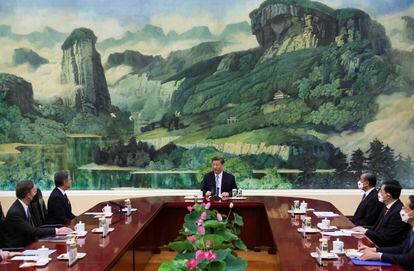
(207, 241)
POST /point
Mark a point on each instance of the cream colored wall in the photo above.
(345, 200)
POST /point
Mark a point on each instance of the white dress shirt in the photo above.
(61, 190)
(218, 180)
(389, 205)
(25, 207)
(369, 191)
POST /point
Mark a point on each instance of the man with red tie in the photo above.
(389, 230)
(402, 254)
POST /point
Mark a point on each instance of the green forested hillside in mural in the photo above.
(299, 94)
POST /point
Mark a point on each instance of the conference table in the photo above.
(267, 226)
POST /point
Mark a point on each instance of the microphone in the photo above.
(117, 204)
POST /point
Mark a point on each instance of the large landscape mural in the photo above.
(141, 94)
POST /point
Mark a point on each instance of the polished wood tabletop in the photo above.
(267, 224)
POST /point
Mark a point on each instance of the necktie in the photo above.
(217, 185)
(363, 197)
(67, 199)
(29, 216)
(381, 218)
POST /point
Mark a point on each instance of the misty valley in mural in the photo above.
(293, 93)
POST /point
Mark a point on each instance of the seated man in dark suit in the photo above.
(58, 205)
(402, 254)
(389, 230)
(369, 209)
(218, 182)
(19, 228)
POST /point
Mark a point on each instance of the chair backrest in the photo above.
(38, 209)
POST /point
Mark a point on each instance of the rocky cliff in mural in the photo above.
(82, 68)
(17, 91)
(282, 26)
(408, 29)
(25, 55)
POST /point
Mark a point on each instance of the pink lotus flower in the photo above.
(231, 205)
(207, 206)
(192, 264)
(208, 243)
(190, 208)
(204, 215)
(219, 217)
(201, 230)
(199, 255)
(199, 222)
(192, 239)
(209, 255)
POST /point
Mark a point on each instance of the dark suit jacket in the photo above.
(228, 182)
(392, 231)
(59, 208)
(1, 212)
(402, 254)
(19, 231)
(2, 229)
(368, 210)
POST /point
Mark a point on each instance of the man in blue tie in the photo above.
(218, 182)
(402, 254)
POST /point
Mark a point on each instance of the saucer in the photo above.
(322, 227)
(338, 253)
(100, 230)
(326, 255)
(64, 256)
(310, 230)
(297, 211)
(80, 234)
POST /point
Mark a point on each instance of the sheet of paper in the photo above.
(349, 231)
(93, 213)
(25, 258)
(336, 233)
(33, 252)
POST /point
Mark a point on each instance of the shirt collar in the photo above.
(369, 191)
(220, 175)
(62, 191)
(25, 207)
(392, 203)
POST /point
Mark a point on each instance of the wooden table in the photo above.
(158, 219)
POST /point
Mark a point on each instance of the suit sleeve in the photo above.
(233, 182)
(393, 250)
(373, 213)
(23, 226)
(204, 186)
(401, 259)
(387, 235)
(57, 211)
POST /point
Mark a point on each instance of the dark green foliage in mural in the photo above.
(357, 163)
